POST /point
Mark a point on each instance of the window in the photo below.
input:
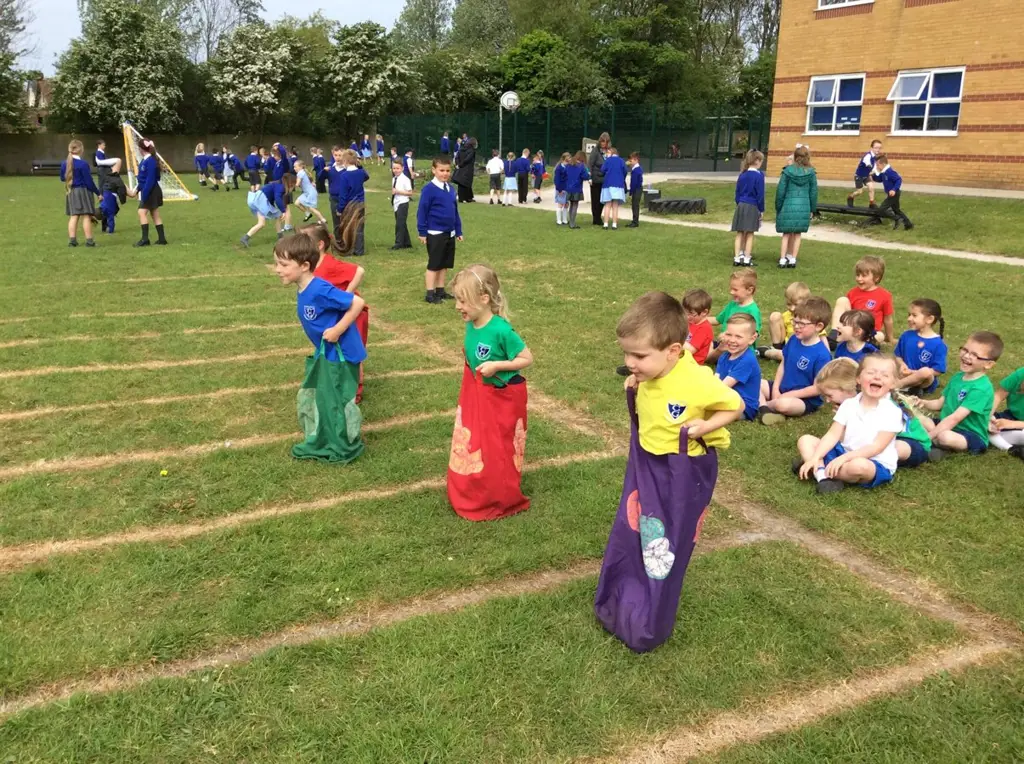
(927, 101)
(834, 103)
(824, 5)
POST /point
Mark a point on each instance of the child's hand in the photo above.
(892, 193)
(487, 369)
(423, 239)
(999, 424)
(833, 467)
(914, 401)
(807, 469)
(333, 334)
(696, 428)
(630, 383)
(457, 238)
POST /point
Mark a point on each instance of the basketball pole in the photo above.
(501, 147)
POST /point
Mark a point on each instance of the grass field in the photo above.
(972, 224)
(248, 607)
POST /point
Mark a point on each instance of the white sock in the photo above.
(1006, 438)
(819, 474)
(782, 260)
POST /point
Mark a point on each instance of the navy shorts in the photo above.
(882, 473)
(860, 182)
(975, 445)
(918, 453)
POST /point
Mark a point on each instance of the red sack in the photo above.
(363, 327)
(488, 445)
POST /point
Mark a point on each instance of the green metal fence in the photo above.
(668, 138)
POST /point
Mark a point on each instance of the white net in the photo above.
(174, 190)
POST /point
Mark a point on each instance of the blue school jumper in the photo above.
(282, 166)
(276, 195)
(889, 178)
(636, 180)
(438, 211)
(445, 145)
(350, 187)
(537, 168)
(750, 188)
(575, 174)
(81, 175)
(380, 148)
(236, 164)
(109, 207)
(865, 167)
(560, 177)
(217, 164)
(149, 176)
(268, 166)
(252, 162)
(319, 163)
(510, 168)
(614, 170)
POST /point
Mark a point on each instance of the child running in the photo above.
(575, 173)
(79, 190)
(678, 412)
(308, 197)
(561, 200)
(862, 176)
(489, 440)
(613, 189)
(1006, 429)
(252, 166)
(793, 392)
(270, 203)
(202, 162)
(746, 221)
(860, 446)
(439, 227)
(921, 352)
(892, 183)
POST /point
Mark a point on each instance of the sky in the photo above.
(56, 21)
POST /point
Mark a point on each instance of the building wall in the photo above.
(884, 37)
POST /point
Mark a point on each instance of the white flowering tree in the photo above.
(370, 73)
(127, 65)
(248, 83)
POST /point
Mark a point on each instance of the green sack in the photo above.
(328, 414)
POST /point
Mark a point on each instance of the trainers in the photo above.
(161, 242)
(908, 226)
(90, 243)
(830, 486)
(769, 417)
(622, 371)
(72, 242)
(633, 225)
(141, 243)
(307, 217)
(796, 465)
(748, 261)
(762, 352)
(936, 454)
(431, 299)
(446, 296)
(1017, 451)
(245, 241)
(872, 206)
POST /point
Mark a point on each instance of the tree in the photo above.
(424, 25)
(126, 66)
(306, 104)
(547, 72)
(15, 17)
(451, 80)
(372, 77)
(209, 21)
(247, 84)
(483, 25)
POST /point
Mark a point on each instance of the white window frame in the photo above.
(835, 103)
(822, 6)
(927, 101)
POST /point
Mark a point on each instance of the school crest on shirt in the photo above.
(871, 304)
(483, 352)
(674, 410)
(926, 356)
(803, 363)
(961, 395)
(309, 312)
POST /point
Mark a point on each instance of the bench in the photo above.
(46, 166)
(678, 206)
(874, 215)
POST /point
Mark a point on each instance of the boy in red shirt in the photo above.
(869, 296)
(342, 275)
(700, 334)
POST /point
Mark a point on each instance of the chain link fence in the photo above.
(668, 138)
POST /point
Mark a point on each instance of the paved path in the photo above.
(817, 232)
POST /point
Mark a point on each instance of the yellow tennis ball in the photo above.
(163, 473)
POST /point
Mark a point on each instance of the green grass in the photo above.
(754, 621)
(973, 224)
(526, 679)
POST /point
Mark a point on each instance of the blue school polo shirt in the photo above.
(321, 306)
(801, 364)
(747, 373)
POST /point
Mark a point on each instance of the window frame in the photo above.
(842, 4)
(928, 101)
(835, 104)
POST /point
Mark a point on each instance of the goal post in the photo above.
(173, 188)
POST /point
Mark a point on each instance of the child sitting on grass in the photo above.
(869, 296)
(793, 392)
(921, 352)
(860, 446)
(780, 325)
(737, 366)
(699, 334)
(966, 403)
(742, 286)
(1006, 429)
(856, 329)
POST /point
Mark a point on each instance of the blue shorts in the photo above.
(750, 412)
(1006, 415)
(811, 404)
(918, 453)
(975, 445)
(882, 473)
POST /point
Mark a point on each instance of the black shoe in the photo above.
(633, 225)
(849, 201)
(444, 296)
(908, 226)
(830, 486)
(895, 224)
(492, 201)
(90, 243)
(936, 454)
(431, 299)
(1017, 451)
(622, 371)
(161, 242)
(308, 216)
(72, 242)
(872, 206)
(141, 243)
(796, 465)
(762, 352)
(393, 249)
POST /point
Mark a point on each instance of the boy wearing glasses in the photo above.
(793, 393)
(967, 400)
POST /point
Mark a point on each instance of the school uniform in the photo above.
(281, 166)
(202, 162)
(308, 196)
(560, 180)
(252, 165)
(408, 168)
(749, 202)
(115, 194)
(151, 195)
(216, 163)
(437, 219)
(575, 174)
(271, 201)
(79, 199)
(102, 165)
(445, 145)
(537, 169)
(861, 427)
(511, 183)
(636, 190)
(334, 181)
(236, 169)
(268, 168)
(919, 352)
(400, 204)
(892, 182)
(865, 169)
(843, 351)
(613, 189)
(523, 178)
(801, 364)
(351, 193)
(319, 174)
(747, 373)
(366, 149)
(495, 169)
(380, 149)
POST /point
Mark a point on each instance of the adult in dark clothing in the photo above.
(465, 164)
(594, 163)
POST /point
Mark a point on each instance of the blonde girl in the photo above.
(202, 162)
(379, 141)
(79, 190)
(308, 197)
(561, 195)
(746, 221)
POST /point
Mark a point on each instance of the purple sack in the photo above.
(664, 501)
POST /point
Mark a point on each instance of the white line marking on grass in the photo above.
(85, 463)
(227, 392)
(353, 625)
(778, 715)
(149, 335)
(143, 280)
(15, 557)
(171, 311)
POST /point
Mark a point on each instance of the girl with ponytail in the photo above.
(79, 190)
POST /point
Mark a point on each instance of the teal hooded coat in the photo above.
(795, 199)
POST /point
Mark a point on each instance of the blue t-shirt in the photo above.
(801, 364)
(842, 351)
(747, 373)
(320, 306)
(919, 352)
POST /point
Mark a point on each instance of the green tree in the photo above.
(369, 73)
(546, 71)
(483, 25)
(126, 66)
(424, 25)
(453, 80)
(306, 105)
(250, 86)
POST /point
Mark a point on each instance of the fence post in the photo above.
(654, 123)
(728, 142)
(613, 125)
(718, 131)
(586, 121)
(547, 136)
(515, 129)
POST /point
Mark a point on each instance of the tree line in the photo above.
(215, 66)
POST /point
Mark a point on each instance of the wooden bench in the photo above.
(678, 206)
(874, 215)
(46, 166)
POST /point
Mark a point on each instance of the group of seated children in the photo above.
(882, 421)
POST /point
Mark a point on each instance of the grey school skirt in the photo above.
(80, 201)
(746, 219)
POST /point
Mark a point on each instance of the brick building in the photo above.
(940, 82)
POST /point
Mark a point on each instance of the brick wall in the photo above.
(884, 37)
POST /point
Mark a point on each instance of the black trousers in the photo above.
(523, 184)
(893, 203)
(334, 213)
(402, 240)
(465, 192)
(636, 207)
(595, 202)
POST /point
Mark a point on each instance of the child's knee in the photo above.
(775, 319)
(858, 470)
(807, 443)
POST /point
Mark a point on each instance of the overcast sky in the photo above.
(56, 21)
